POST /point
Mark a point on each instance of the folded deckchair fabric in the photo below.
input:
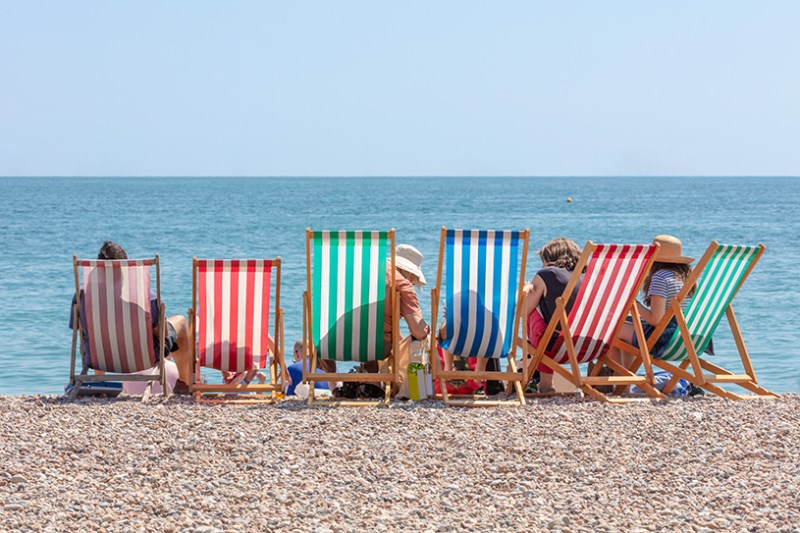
(719, 275)
(345, 307)
(484, 275)
(349, 294)
(116, 328)
(230, 320)
(613, 276)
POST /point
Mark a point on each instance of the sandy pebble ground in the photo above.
(556, 465)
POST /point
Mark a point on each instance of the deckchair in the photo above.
(117, 325)
(721, 272)
(485, 274)
(343, 307)
(607, 295)
(230, 320)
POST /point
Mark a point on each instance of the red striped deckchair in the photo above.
(117, 322)
(344, 305)
(607, 295)
(230, 320)
(485, 275)
(719, 275)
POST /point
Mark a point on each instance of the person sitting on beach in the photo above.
(296, 370)
(407, 275)
(665, 280)
(559, 258)
(177, 343)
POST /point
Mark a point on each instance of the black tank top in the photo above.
(555, 279)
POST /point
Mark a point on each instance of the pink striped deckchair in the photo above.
(230, 320)
(613, 278)
(114, 320)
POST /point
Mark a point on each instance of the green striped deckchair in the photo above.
(721, 272)
(345, 301)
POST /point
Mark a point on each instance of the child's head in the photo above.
(560, 252)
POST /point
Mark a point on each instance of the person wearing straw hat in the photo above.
(665, 280)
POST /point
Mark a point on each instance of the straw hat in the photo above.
(408, 258)
(671, 250)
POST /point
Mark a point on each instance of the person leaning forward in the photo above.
(407, 275)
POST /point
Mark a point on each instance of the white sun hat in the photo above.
(408, 258)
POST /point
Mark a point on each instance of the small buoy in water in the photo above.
(569, 199)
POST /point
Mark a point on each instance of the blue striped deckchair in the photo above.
(721, 272)
(344, 305)
(485, 273)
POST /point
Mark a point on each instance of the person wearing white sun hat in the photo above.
(407, 275)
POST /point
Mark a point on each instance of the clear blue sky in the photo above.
(399, 88)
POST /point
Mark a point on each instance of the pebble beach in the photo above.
(558, 464)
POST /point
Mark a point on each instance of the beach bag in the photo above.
(410, 351)
(420, 382)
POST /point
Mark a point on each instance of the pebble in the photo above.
(562, 464)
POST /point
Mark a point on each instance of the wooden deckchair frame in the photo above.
(241, 393)
(623, 376)
(512, 378)
(309, 349)
(78, 336)
(705, 374)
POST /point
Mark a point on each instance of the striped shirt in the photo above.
(667, 284)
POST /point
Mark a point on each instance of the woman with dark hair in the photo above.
(559, 258)
(665, 280)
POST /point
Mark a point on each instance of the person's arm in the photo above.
(417, 326)
(658, 306)
(533, 294)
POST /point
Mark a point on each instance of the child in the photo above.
(663, 283)
(559, 258)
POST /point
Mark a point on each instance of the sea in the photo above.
(45, 221)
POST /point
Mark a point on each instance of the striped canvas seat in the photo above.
(482, 275)
(119, 321)
(718, 276)
(715, 291)
(349, 294)
(114, 324)
(233, 313)
(613, 275)
(347, 300)
(484, 272)
(230, 319)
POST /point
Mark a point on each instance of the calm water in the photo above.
(43, 222)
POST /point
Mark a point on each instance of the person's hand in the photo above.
(528, 287)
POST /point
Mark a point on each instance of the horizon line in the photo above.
(413, 176)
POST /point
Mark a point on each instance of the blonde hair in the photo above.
(560, 252)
